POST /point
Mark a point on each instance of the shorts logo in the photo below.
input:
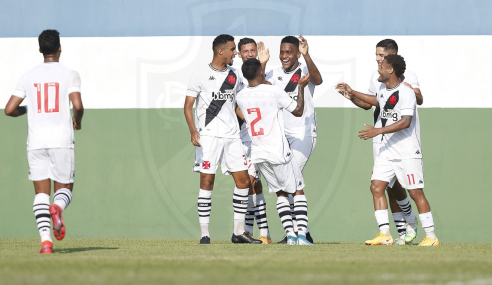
(417, 152)
(421, 182)
(197, 164)
(392, 100)
(231, 79)
(206, 164)
(294, 78)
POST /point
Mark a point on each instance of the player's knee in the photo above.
(416, 194)
(376, 189)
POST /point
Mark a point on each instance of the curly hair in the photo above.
(250, 68)
(397, 62)
(245, 41)
(49, 41)
(291, 40)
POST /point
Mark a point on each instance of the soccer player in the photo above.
(216, 135)
(256, 205)
(406, 222)
(400, 154)
(261, 106)
(48, 89)
(300, 131)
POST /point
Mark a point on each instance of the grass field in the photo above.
(155, 261)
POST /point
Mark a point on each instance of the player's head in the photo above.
(384, 48)
(393, 66)
(247, 49)
(289, 52)
(224, 48)
(49, 42)
(252, 69)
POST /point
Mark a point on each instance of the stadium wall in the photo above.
(133, 155)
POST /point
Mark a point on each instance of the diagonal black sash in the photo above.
(216, 105)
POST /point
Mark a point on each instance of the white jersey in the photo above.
(262, 107)
(215, 92)
(394, 103)
(298, 127)
(242, 125)
(46, 89)
(408, 77)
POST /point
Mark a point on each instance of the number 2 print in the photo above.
(258, 117)
(47, 87)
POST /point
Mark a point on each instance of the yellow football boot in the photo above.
(429, 242)
(265, 240)
(380, 239)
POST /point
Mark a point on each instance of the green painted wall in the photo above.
(134, 178)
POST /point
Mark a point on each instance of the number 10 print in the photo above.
(47, 86)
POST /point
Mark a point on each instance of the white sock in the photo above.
(383, 221)
(301, 210)
(293, 212)
(204, 208)
(240, 205)
(283, 210)
(62, 198)
(406, 207)
(250, 214)
(428, 224)
(41, 208)
(400, 223)
(261, 217)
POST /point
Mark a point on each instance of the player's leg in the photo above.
(283, 210)
(39, 173)
(62, 171)
(398, 196)
(206, 162)
(382, 175)
(411, 176)
(233, 161)
(250, 211)
(398, 218)
(300, 203)
(260, 212)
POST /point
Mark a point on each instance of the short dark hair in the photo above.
(251, 67)
(49, 41)
(245, 41)
(398, 64)
(388, 44)
(221, 40)
(291, 40)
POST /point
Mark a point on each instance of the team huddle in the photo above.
(253, 123)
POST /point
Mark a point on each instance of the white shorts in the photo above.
(409, 172)
(286, 177)
(375, 150)
(214, 150)
(302, 149)
(57, 164)
(253, 169)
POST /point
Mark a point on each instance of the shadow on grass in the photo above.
(80, 249)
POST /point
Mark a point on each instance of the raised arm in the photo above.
(188, 112)
(263, 57)
(368, 99)
(357, 102)
(13, 109)
(371, 132)
(299, 110)
(78, 110)
(313, 70)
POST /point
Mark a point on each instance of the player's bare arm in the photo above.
(371, 132)
(346, 90)
(188, 112)
(239, 113)
(299, 110)
(263, 57)
(357, 102)
(418, 94)
(78, 110)
(13, 109)
(313, 70)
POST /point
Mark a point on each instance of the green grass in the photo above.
(155, 261)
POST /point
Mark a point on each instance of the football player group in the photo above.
(253, 124)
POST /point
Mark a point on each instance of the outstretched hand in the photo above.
(304, 80)
(303, 45)
(344, 89)
(368, 133)
(263, 54)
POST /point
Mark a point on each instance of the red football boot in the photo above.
(58, 224)
(46, 247)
